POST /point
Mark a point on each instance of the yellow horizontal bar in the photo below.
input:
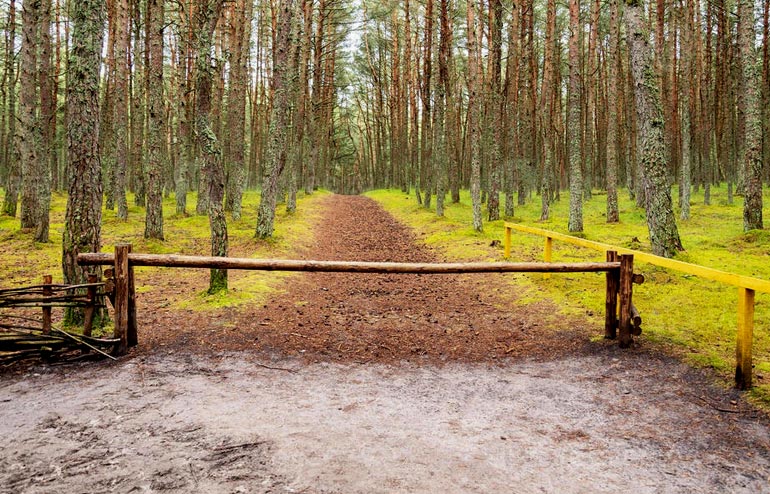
(738, 280)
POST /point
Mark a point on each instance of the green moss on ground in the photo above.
(25, 262)
(694, 318)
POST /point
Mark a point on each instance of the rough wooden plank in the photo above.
(89, 310)
(611, 299)
(743, 374)
(625, 293)
(132, 336)
(121, 296)
(47, 280)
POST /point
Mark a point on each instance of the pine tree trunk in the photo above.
(153, 226)
(275, 157)
(83, 216)
(440, 141)
(183, 105)
(664, 235)
(207, 17)
(613, 124)
(574, 123)
(236, 105)
(13, 181)
(28, 135)
(688, 96)
(751, 76)
(47, 117)
(474, 100)
(138, 91)
(120, 105)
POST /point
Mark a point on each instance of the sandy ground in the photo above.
(229, 424)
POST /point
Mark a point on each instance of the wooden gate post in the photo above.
(88, 319)
(745, 337)
(47, 280)
(132, 337)
(625, 292)
(611, 304)
(121, 296)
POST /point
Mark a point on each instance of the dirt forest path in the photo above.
(377, 384)
(389, 318)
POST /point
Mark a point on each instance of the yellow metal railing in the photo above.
(747, 286)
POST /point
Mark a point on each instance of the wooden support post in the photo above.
(611, 304)
(121, 296)
(745, 337)
(88, 319)
(507, 252)
(132, 337)
(626, 287)
(47, 280)
(547, 254)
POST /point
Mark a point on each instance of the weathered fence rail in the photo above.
(619, 274)
(25, 332)
(747, 286)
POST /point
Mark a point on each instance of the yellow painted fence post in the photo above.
(745, 337)
(507, 242)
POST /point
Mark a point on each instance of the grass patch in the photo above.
(694, 317)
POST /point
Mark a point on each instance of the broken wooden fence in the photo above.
(25, 332)
(619, 274)
(747, 286)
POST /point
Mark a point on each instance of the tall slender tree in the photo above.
(474, 101)
(613, 123)
(574, 126)
(83, 215)
(236, 104)
(207, 16)
(751, 77)
(35, 175)
(664, 234)
(153, 226)
(275, 159)
(120, 97)
(13, 180)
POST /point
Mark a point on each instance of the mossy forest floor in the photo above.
(382, 383)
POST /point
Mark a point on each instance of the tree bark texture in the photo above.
(661, 222)
(120, 97)
(207, 17)
(83, 216)
(574, 123)
(613, 123)
(474, 100)
(275, 158)
(153, 226)
(751, 75)
(13, 181)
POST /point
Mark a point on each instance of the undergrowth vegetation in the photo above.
(24, 262)
(690, 317)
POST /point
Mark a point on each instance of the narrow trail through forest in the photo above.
(377, 384)
(348, 317)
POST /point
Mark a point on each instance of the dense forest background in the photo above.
(517, 101)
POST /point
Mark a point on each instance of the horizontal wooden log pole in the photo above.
(174, 261)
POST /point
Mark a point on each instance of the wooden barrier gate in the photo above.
(747, 286)
(622, 320)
